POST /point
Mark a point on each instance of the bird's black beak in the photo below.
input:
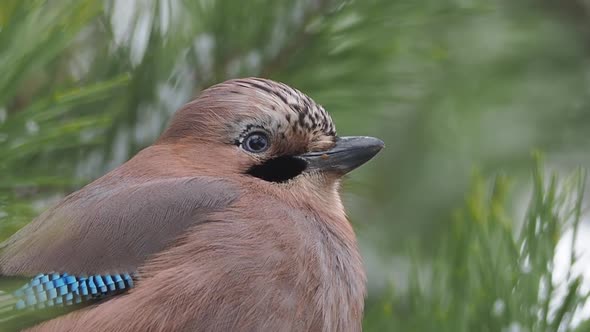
(348, 154)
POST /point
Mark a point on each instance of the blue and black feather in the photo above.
(26, 303)
(62, 289)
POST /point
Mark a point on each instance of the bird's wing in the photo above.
(112, 228)
(102, 232)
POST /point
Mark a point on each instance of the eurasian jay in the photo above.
(230, 221)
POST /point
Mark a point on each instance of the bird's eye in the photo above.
(256, 142)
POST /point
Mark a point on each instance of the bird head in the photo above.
(266, 131)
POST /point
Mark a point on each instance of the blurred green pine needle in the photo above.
(492, 273)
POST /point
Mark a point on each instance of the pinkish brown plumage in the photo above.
(232, 219)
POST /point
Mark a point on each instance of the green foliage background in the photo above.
(449, 85)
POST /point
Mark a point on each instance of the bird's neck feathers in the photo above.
(320, 195)
(342, 289)
(334, 248)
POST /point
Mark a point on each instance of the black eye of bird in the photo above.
(256, 142)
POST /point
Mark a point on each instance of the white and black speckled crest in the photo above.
(301, 112)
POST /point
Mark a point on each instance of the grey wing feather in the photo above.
(112, 228)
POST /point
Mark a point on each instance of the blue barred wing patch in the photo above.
(55, 289)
